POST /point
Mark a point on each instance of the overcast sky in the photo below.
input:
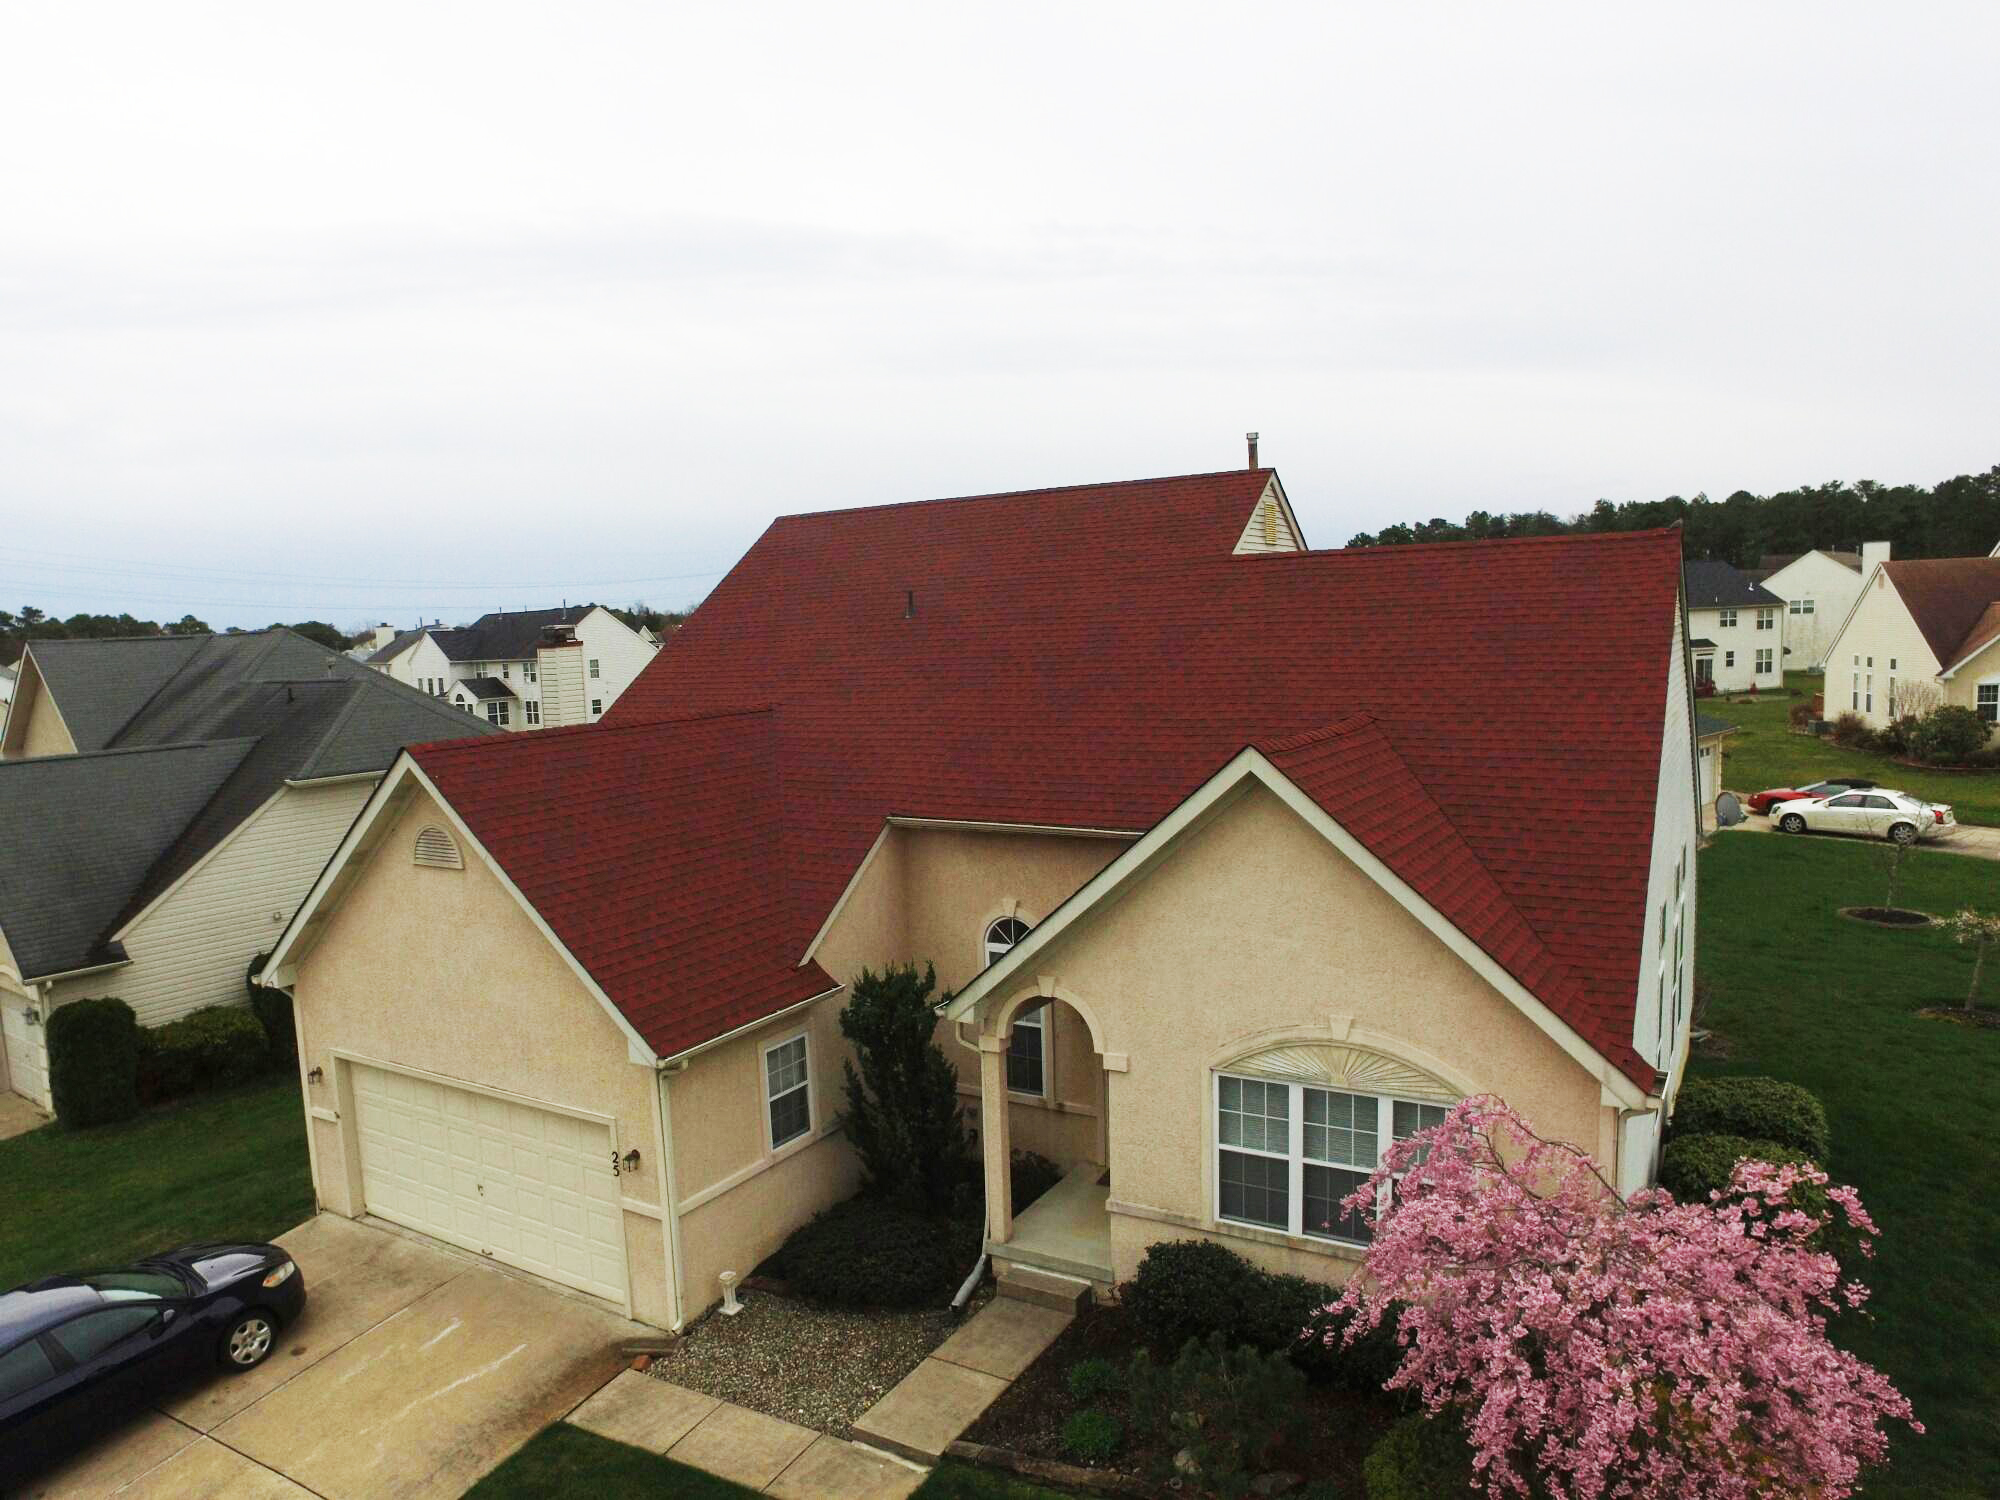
(367, 311)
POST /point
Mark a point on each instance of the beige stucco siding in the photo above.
(441, 971)
(192, 946)
(739, 1198)
(1255, 931)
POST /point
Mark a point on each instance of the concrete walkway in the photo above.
(18, 1116)
(747, 1447)
(916, 1421)
(945, 1394)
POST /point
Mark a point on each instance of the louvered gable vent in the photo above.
(438, 849)
(1269, 528)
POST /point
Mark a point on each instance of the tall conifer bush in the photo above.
(903, 1111)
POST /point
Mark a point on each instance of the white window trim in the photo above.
(1986, 682)
(1295, 1197)
(771, 1146)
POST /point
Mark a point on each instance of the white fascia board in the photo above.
(796, 1006)
(198, 866)
(1284, 503)
(281, 969)
(1979, 650)
(1252, 767)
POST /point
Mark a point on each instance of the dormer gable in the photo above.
(1272, 527)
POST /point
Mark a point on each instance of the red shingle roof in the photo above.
(1086, 657)
(1947, 597)
(654, 854)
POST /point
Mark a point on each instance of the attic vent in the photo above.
(438, 849)
(1270, 520)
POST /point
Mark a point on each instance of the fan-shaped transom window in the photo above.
(438, 849)
(1002, 935)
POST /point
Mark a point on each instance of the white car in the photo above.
(1896, 816)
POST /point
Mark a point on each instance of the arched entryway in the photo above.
(1044, 1087)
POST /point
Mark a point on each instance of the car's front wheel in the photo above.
(1792, 823)
(248, 1342)
(1903, 833)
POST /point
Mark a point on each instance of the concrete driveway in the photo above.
(413, 1372)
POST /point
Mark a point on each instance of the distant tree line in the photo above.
(1956, 518)
(18, 627)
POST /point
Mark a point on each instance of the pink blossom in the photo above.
(1636, 1348)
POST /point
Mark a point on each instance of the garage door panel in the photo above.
(529, 1187)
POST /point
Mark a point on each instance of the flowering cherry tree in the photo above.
(1599, 1347)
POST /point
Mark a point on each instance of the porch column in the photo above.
(994, 1143)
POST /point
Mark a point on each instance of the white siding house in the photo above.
(1736, 629)
(495, 667)
(1819, 588)
(1923, 634)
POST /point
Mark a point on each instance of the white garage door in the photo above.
(530, 1187)
(27, 1056)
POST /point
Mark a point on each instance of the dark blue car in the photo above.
(80, 1354)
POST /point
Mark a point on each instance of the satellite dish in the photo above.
(1728, 811)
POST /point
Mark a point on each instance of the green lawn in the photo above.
(222, 1166)
(1765, 753)
(1802, 994)
(562, 1461)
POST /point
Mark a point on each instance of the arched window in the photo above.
(1002, 935)
(1028, 1047)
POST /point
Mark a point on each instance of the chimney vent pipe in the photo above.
(909, 604)
(1253, 448)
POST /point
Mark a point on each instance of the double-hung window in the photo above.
(787, 1090)
(1764, 660)
(593, 669)
(528, 670)
(1986, 698)
(496, 713)
(533, 709)
(1726, 619)
(1287, 1153)
(1767, 619)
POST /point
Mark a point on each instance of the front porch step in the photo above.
(1051, 1289)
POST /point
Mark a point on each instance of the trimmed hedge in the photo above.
(868, 1252)
(1420, 1458)
(1760, 1109)
(93, 1062)
(210, 1048)
(1189, 1289)
(1693, 1166)
(274, 1014)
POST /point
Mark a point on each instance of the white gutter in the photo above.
(340, 780)
(76, 973)
(680, 1059)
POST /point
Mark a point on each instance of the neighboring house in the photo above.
(7, 677)
(368, 642)
(1818, 588)
(1237, 861)
(1709, 733)
(1737, 628)
(191, 791)
(1924, 633)
(524, 669)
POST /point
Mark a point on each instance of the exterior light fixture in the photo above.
(315, 1075)
(632, 1160)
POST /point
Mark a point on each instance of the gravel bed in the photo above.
(821, 1367)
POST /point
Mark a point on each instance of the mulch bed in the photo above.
(1886, 916)
(1028, 1418)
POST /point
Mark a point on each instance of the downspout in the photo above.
(979, 1266)
(669, 1191)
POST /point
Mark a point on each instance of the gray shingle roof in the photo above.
(1707, 724)
(396, 647)
(507, 636)
(292, 710)
(76, 831)
(99, 685)
(484, 687)
(1721, 585)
